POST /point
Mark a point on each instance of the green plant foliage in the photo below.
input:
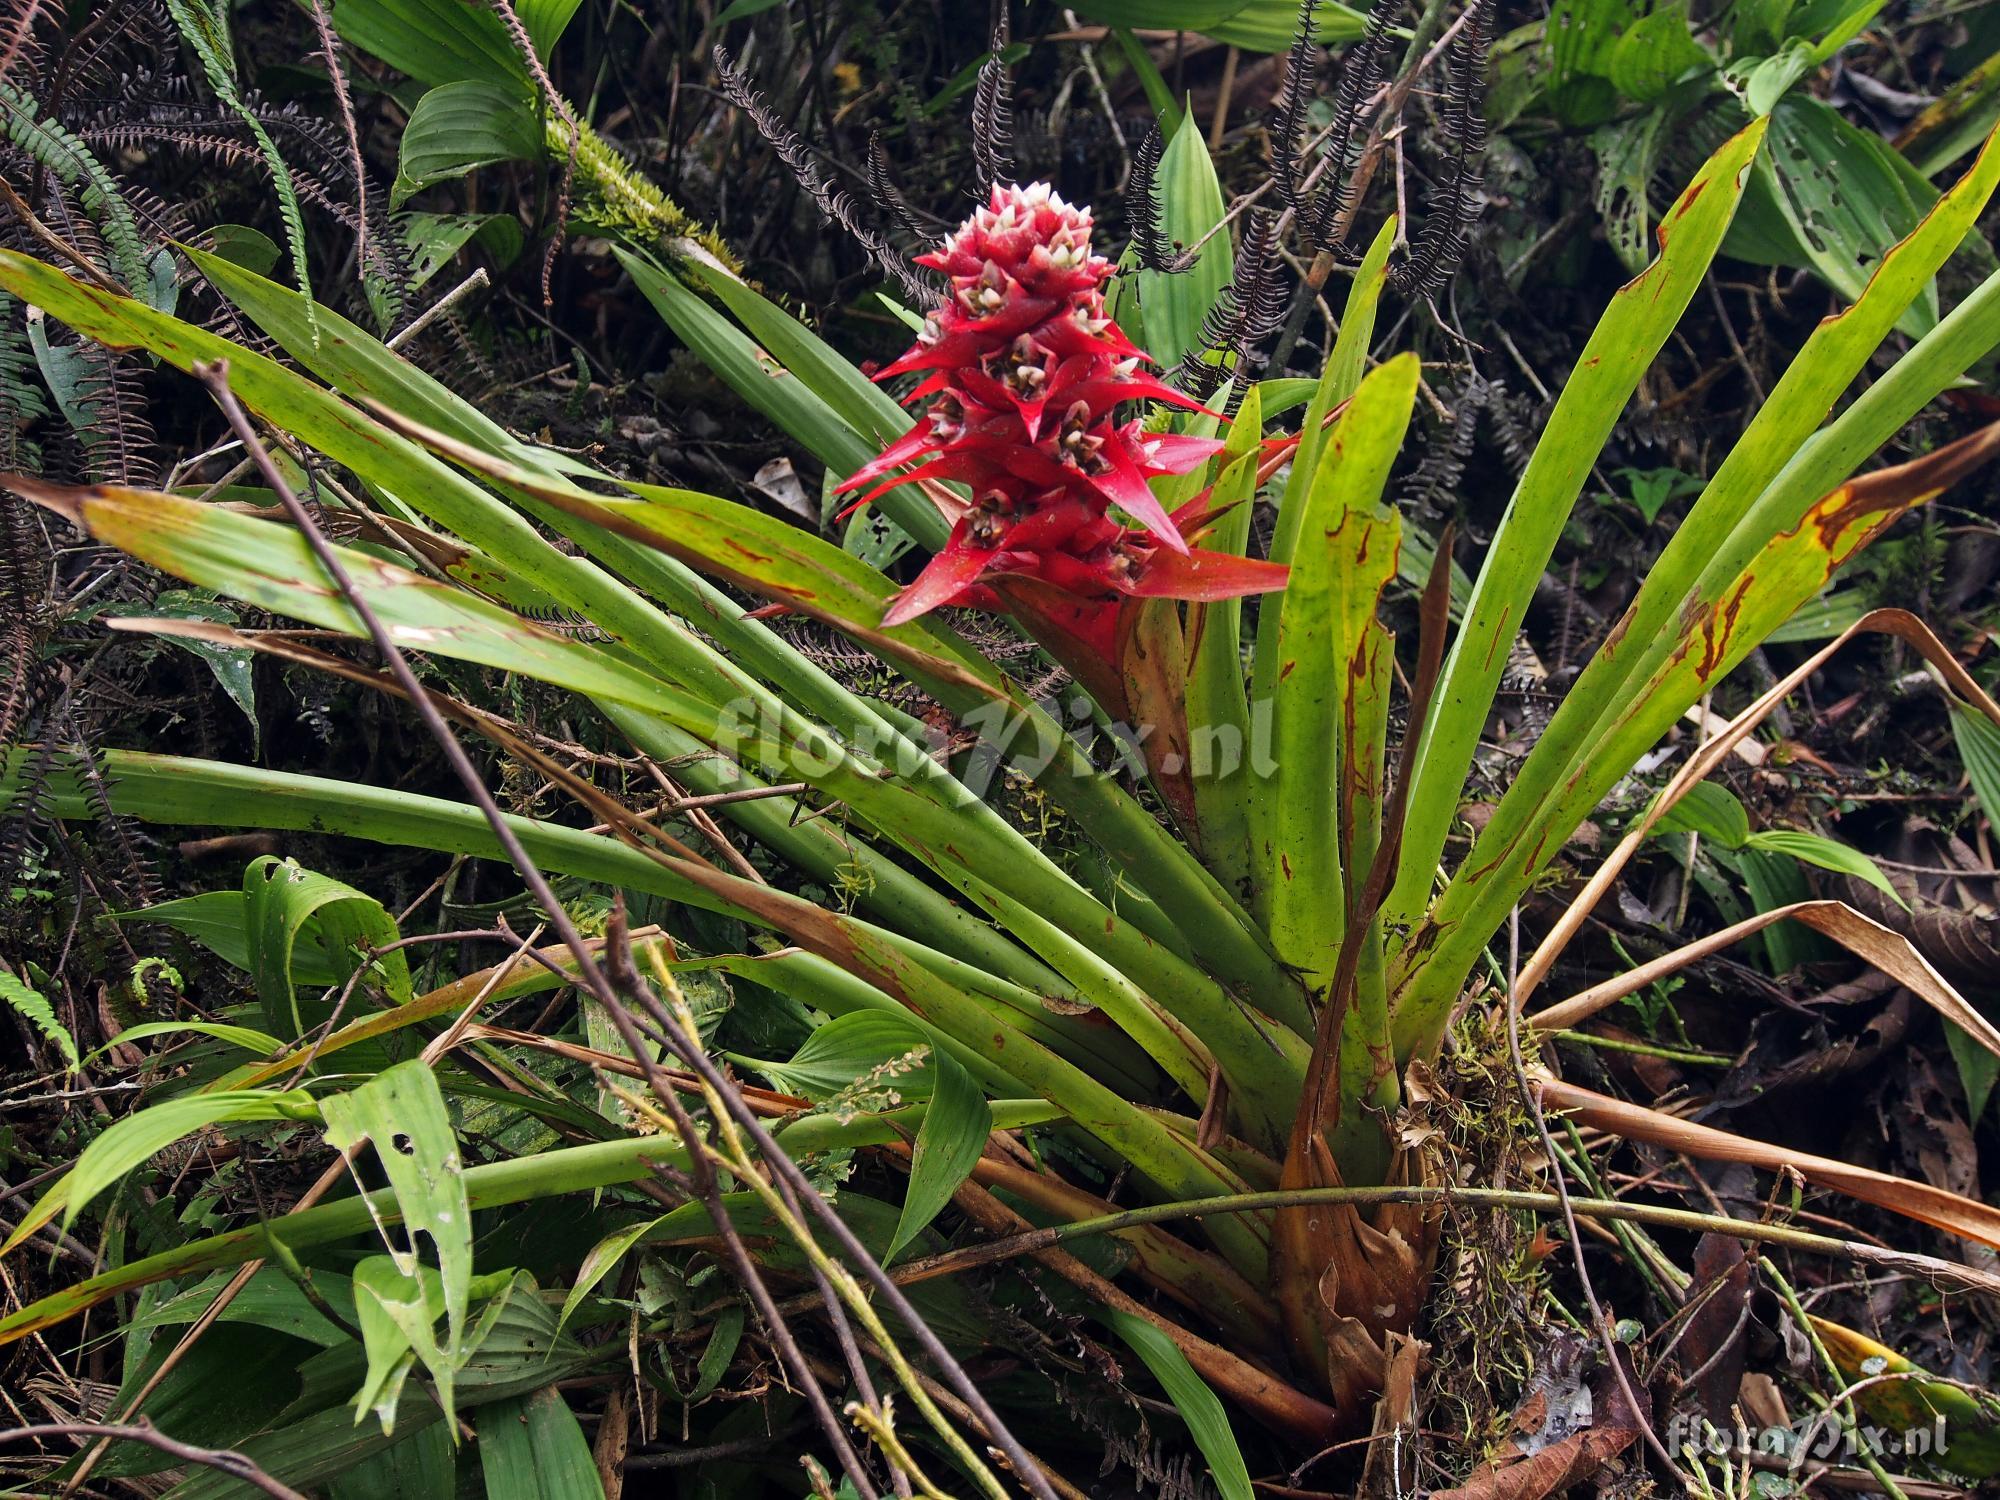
(33, 1006)
(1192, 1398)
(1176, 979)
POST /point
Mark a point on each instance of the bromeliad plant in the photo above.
(1224, 1003)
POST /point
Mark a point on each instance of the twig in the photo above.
(236, 1465)
(477, 281)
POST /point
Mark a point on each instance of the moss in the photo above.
(613, 197)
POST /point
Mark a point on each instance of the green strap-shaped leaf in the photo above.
(1331, 667)
(1218, 707)
(1337, 383)
(1199, 1407)
(1641, 316)
(1717, 533)
(169, 789)
(246, 1037)
(1724, 618)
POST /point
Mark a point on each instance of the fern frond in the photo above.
(1142, 209)
(1288, 117)
(71, 162)
(888, 198)
(1362, 73)
(993, 115)
(20, 45)
(206, 30)
(1250, 309)
(1438, 249)
(137, 883)
(835, 206)
(329, 48)
(33, 1006)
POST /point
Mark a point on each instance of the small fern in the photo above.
(207, 32)
(58, 151)
(33, 1006)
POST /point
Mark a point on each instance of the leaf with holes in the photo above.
(402, 1113)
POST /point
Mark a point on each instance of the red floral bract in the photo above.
(1022, 371)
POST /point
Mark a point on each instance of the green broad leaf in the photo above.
(285, 907)
(244, 246)
(315, 1449)
(229, 665)
(402, 1113)
(1198, 1406)
(1838, 198)
(398, 1313)
(724, 1339)
(419, 1465)
(1828, 854)
(235, 1382)
(1711, 811)
(1254, 25)
(604, 1257)
(129, 1143)
(1763, 81)
(33, 1006)
(1978, 741)
(434, 41)
(457, 127)
(1759, 26)
(1655, 52)
(1270, 25)
(532, 1448)
(1190, 207)
(1583, 38)
(849, 1048)
(1821, 618)
(248, 1038)
(949, 1142)
(434, 240)
(1628, 154)
(545, 21)
(1772, 881)
(270, 1299)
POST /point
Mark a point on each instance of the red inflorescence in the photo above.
(1024, 369)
